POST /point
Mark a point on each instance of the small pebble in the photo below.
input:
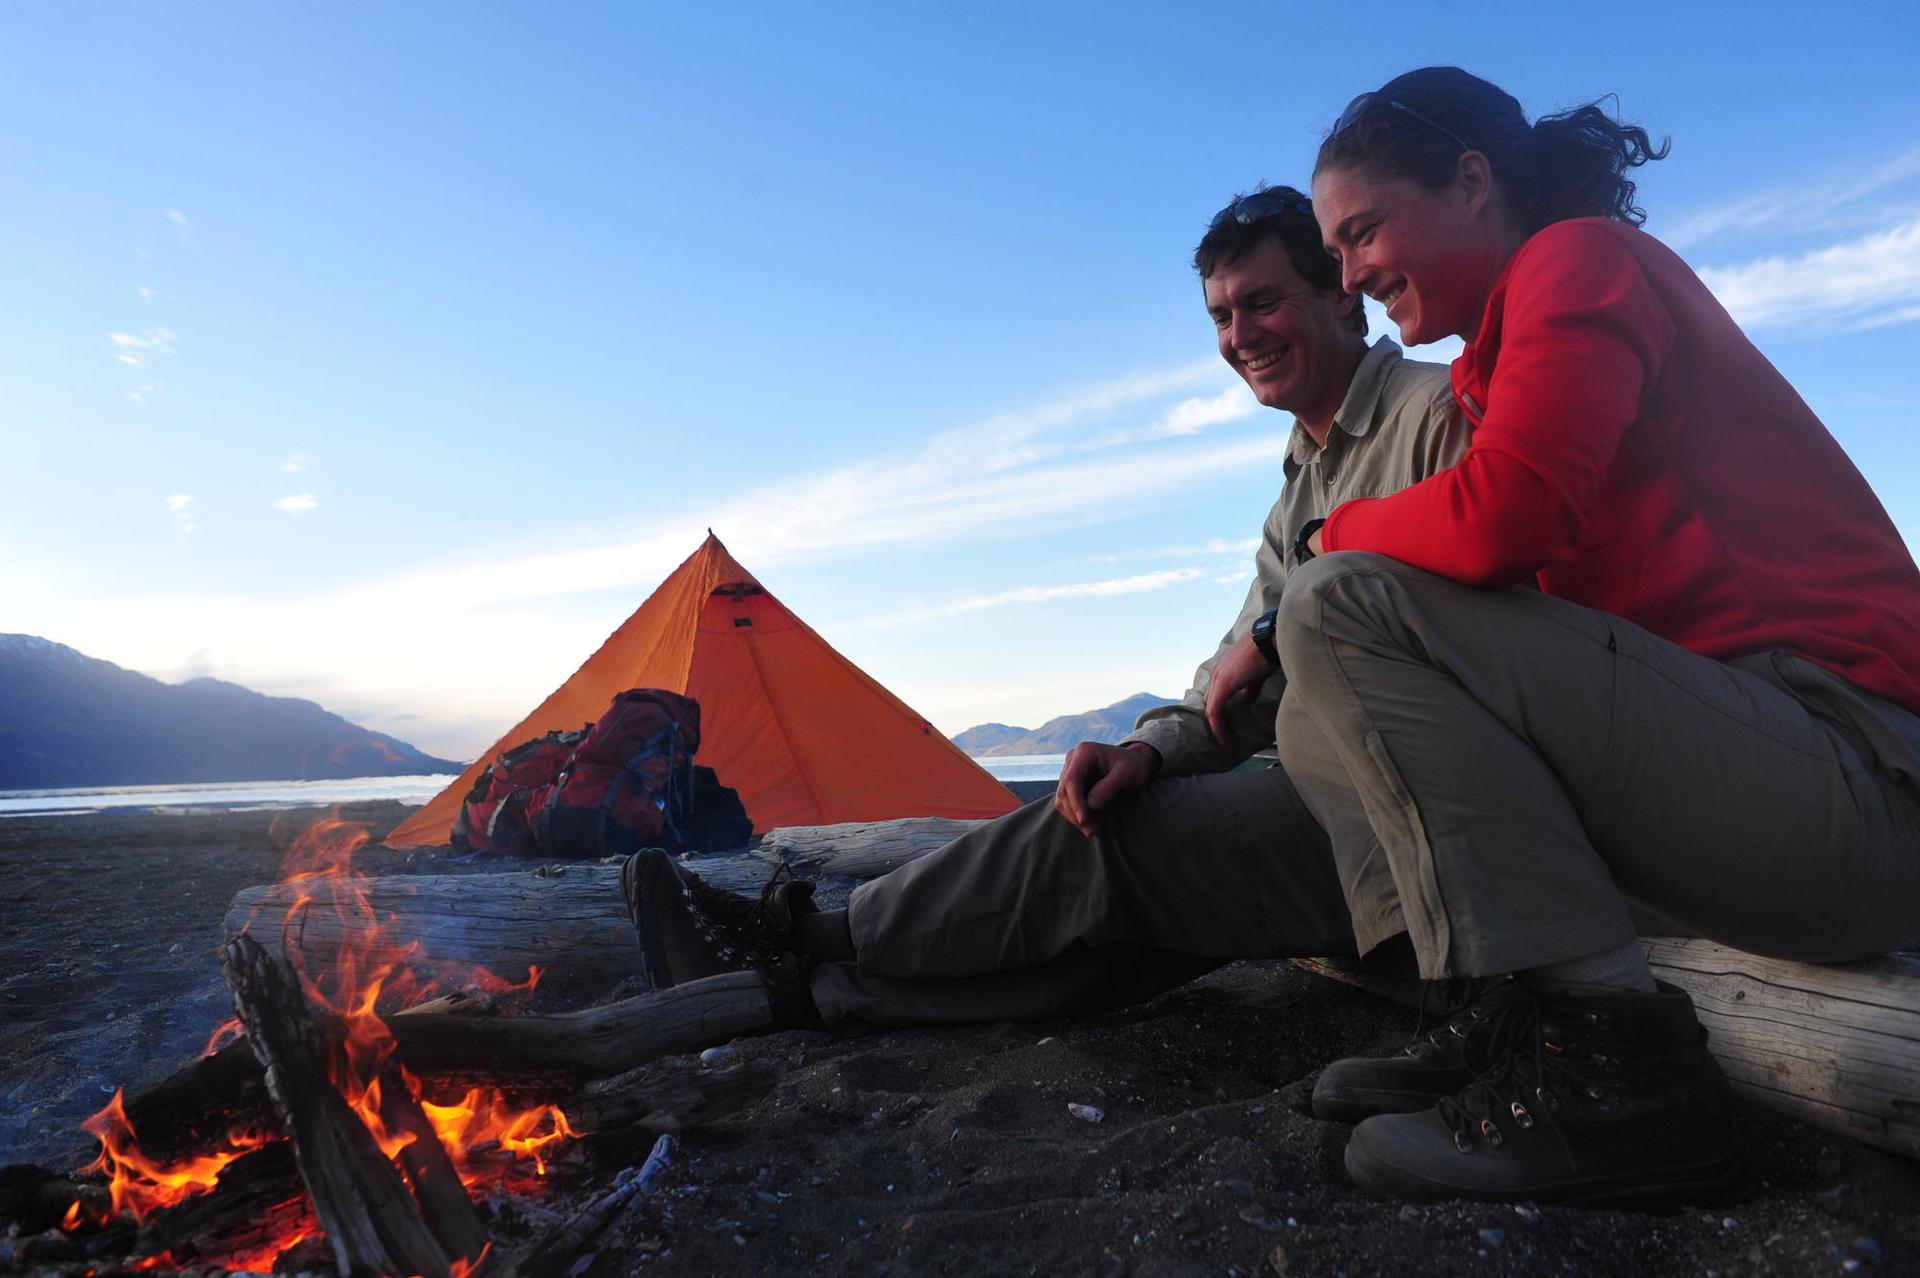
(1851, 1264)
(720, 1056)
(1529, 1214)
(1867, 1247)
(1260, 1218)
(1048, 1039)
(1256, 1109)
(1409, 1213)
(1493, 1237)
(1729, 1222)
(1087, 1113)
(1244, 1188)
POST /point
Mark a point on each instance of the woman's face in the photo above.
(1430, 256)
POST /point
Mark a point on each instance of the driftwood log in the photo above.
(1837, 1046)
(567, 920)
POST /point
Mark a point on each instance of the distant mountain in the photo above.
(983, 737)
(67, 719)
(1056, 736)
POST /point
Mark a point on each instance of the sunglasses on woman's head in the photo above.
(1367, 101)
(1249, 209)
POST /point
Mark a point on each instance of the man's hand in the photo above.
(1237, 677)
(1095, 774)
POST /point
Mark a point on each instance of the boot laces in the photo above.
(737, 924)
(1526, 1065)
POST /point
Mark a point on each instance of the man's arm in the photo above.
(1179, 733)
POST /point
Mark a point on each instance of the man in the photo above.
(1156, 861)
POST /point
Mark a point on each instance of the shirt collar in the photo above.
(1356, 410)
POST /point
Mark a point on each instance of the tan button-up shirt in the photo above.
(1397, 425)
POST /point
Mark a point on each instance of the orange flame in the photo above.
(490, 1139)
(139, 1185)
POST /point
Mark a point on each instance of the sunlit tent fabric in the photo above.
(803, 734)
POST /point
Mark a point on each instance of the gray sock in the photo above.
(1621, 968)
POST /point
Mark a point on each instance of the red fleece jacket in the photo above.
(1635, 453)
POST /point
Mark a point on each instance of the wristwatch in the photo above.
(1263, 636)
(1301, 550)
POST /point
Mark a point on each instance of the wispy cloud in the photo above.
(297, 503)
(297, 462)
(138, 350)
(146, 391)
(146, 294)
(1136, 585)
(180, 506)
(1882, 194)
(180, 225)
(1234, 547)
(1863, 283)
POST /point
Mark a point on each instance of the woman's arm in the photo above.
(1581, 336)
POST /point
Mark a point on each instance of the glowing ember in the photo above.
(223, 1034)
(489, 1139)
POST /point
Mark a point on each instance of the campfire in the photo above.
(336, 1121)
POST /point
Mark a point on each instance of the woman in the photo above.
(1710, 704)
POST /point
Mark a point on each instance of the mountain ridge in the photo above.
(68, 719)
(1061, 733)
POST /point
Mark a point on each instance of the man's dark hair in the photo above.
(1282, 215)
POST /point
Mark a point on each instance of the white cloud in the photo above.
(1135, 585)
(137, 350)
(146, 294)
(180, 506)
(298, 461)
(146, 391)
(297, 503)
(1191, 416)
(1867, 282)
(1844, 203)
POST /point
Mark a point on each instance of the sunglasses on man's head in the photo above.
(1358, 108)
(1249, 209)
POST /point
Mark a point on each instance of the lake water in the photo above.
(298, 794)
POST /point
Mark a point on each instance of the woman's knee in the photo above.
(1304, 606)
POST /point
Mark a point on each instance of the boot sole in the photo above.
(640, 884)
(1704, 1184)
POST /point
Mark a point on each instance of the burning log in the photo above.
(257, 1202)
(370, 1219)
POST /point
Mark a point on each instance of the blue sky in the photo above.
(390, 354)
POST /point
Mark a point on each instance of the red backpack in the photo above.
(494, 818)
(629, 783)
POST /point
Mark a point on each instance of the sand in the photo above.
(907, 1152)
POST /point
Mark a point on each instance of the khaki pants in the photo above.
(1026, 918)
(1524, 764)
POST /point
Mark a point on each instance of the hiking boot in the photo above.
(689, 929)
(1434, 1064)
(1587, 1099)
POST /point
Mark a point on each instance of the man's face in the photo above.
(1282, 335)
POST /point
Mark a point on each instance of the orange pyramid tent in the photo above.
(802, 733)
